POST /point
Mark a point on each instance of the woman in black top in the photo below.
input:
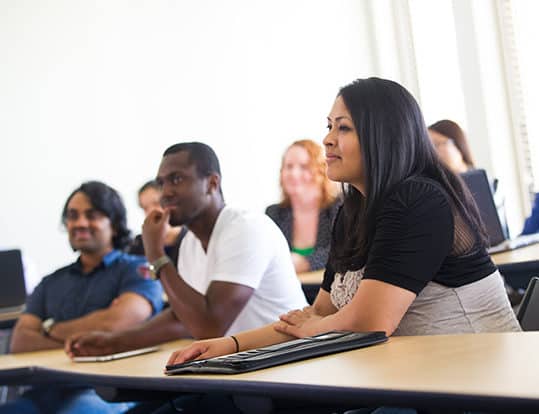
(408, 251)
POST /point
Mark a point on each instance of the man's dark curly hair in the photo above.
(106, 200)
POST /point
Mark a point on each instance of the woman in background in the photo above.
(306, 212)
(451, 145)
(149, 198)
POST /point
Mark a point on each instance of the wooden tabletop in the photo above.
(311, 278)
(151, 364)
(521, 255)
(9, 316)
(498, 365)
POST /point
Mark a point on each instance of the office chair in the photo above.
(528, 312)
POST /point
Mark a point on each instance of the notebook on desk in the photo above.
(299, 349)
(479, 185)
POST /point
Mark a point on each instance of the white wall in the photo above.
(98, 89)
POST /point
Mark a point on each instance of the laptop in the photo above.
(113, 357)
(479, 185)
(13, 292)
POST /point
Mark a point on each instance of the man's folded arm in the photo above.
(28, 336)
(125, 311)
(161, 328)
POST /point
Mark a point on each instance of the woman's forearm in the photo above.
(261, 337)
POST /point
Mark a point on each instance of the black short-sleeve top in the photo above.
(413, 242)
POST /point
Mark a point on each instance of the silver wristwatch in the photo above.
(47, 325)
(156, 266)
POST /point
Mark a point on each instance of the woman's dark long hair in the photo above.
(394, 147)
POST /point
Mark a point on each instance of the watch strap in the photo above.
(157, 265)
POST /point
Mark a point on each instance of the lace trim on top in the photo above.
(465, 239)
(344, 287)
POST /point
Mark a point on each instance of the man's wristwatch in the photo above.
(156, 266)
(47, 325)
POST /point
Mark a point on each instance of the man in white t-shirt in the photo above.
(234, 267)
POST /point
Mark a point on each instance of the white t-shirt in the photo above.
(249, 249)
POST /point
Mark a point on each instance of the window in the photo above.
(520, 27)
(435, 44)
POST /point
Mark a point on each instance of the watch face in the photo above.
(153, 274)
(47, 324)
(156, 266)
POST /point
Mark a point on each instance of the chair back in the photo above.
(528, 312)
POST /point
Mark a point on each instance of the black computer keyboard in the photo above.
(309, 347)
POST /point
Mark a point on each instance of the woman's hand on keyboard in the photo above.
(208, 348)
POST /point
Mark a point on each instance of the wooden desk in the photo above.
(520, 255)
(481, 372)
(9, 316)
(519, 265)
(311, 278)
(152, 363)
(8, 319)
(310, 283)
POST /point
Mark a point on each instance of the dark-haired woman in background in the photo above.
(451, 145)
(149, 198)
(408, 253)
(453, 149)
(306, 212)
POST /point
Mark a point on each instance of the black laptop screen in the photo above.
(479, 186)
(13, 292)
